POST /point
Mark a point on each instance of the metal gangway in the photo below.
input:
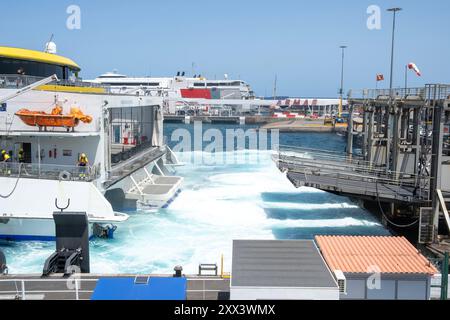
(349, 175)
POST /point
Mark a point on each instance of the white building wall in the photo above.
(266, 293)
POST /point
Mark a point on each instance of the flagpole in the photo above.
(406, 78)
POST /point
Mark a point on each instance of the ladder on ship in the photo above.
(426, 225)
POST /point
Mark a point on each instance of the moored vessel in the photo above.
(49, 119)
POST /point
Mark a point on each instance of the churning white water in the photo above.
(218, 203)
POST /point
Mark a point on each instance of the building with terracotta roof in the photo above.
(377, 267)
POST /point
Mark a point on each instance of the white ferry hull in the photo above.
(29, 229)
(28, 206)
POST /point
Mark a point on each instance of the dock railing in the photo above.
(437, 91)
(73, 288)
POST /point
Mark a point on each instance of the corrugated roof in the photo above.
(33, 55)
(358, 254)
(279, 263)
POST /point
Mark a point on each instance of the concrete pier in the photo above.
(266, 122)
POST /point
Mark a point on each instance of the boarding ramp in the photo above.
(349, 175)
(151, 189)
(133, 163)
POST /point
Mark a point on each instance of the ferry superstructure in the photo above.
(178, 86)
(182, 93)
(45, 125)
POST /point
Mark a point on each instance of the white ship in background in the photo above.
(45, 125)
(182, 93)
(179, 86)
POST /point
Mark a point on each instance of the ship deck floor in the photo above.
(57, 287)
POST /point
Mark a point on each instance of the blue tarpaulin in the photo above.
(127, 289)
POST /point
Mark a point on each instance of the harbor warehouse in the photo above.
(377, 268)
(273, 270)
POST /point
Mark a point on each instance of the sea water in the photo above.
(219, 202)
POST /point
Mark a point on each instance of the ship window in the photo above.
(199, 84)
(132, 131)
(72, 75)
(30, 68)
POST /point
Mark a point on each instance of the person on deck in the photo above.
(6, 158)
(83, 163)
(21, 156)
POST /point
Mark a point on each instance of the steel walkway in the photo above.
(336, 172)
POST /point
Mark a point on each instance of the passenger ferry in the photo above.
(176, 90)
(48, 119)
(180, 86)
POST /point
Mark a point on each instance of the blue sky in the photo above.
(254, 40)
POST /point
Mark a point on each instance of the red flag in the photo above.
(380, 77)
(412, 66)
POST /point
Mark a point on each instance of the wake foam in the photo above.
(219, 203)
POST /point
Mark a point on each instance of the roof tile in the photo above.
(362, 254)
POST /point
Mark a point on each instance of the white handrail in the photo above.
(29, 88)
(24, 294)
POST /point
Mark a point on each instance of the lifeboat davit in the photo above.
(53, 119)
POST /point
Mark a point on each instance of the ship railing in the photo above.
(77, 83)
(49, 171)
(17, 81)
(73, 288)
(21, 81)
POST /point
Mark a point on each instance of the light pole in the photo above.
(395, 134)
(341, 91)
(394, 10)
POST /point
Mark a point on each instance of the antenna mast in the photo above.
(47, 44)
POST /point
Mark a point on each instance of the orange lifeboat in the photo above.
(53, 119)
